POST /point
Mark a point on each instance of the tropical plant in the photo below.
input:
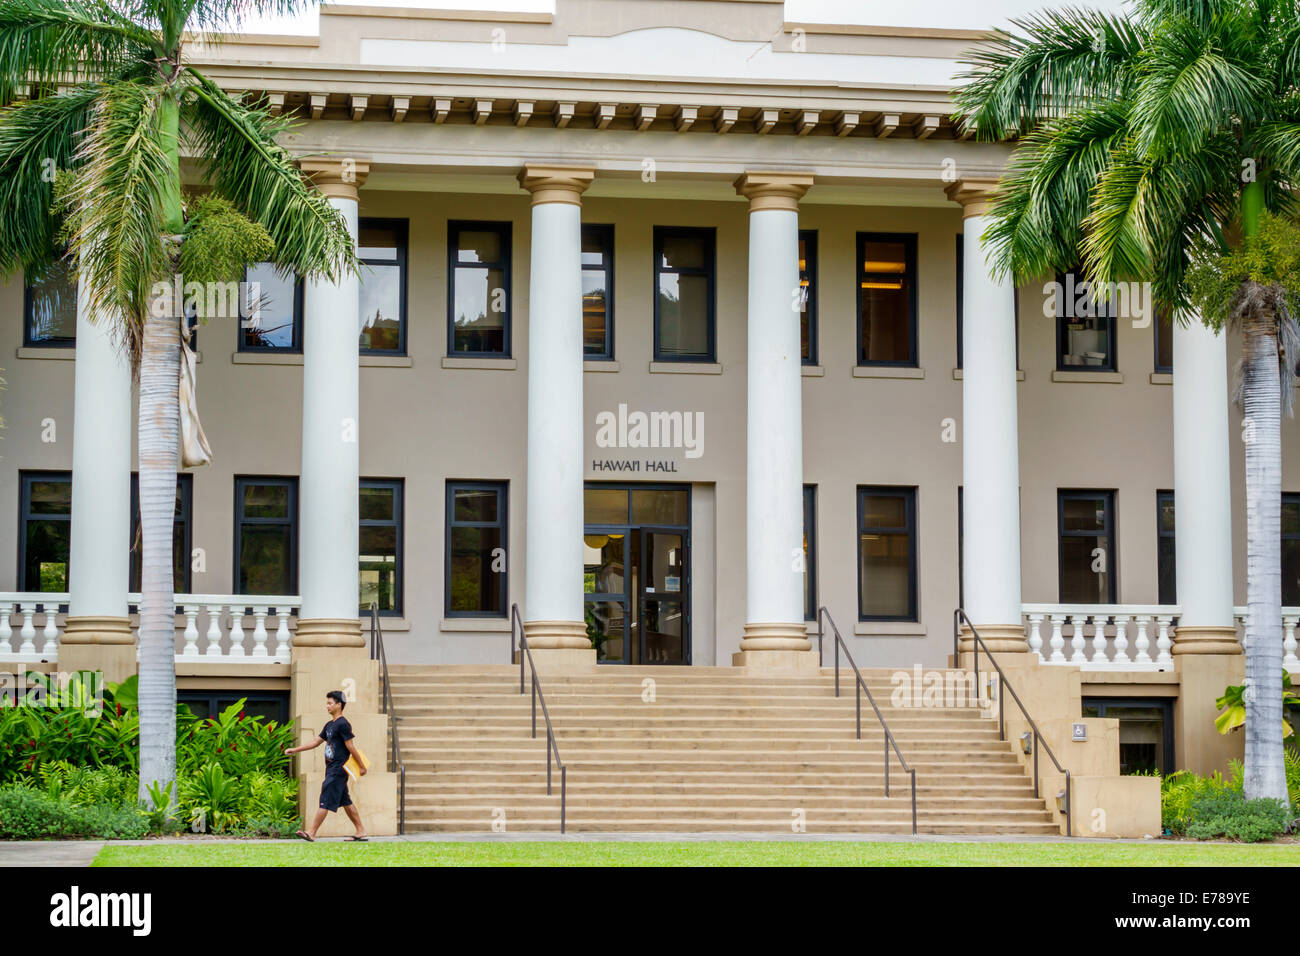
(1152, 147)
(110, 99)
(1233, 705)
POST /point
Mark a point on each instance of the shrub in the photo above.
(27, 813)
(1226, 813)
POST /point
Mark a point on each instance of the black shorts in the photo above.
(334, 792)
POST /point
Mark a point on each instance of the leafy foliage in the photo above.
(221, 241)
(1229, 814)
(1218, 283)
(1233, 705)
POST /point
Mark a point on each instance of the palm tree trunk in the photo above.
(159, 429)
(1265, 774)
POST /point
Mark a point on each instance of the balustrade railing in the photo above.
(1290, 618)
(1128, 637)
(209, 627)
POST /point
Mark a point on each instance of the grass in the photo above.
(720, 853)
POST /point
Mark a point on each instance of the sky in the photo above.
(951, 14)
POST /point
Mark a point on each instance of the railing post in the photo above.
(1069, 806)
(548, 762)
(548, 765)
(564, 794)
(837, 663)
(1035, 764)
(886, 763)
(913, 773)
(858, 698)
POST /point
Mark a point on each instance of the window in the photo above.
(50, 309)
(1290, 550)
(597, 292)
(181, 535)
(273, 307)
(961, 287)
(45, 520)
(886, 299)
(381, 545)
(1146, 731)
(810, 552)
(1085, 327)
(961, 547)
(684, 295)
(1166, 568)
(1164, 334)
(478, 288)
(1086, 526)
(269, 705)
(266, 535)
(476, 549)
(381, 247)
(808, 295)
(886, 554)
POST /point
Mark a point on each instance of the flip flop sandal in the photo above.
(356, 839)
(303, 834)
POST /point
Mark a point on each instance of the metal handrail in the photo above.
(960, 615)
(395, 749)
(824, 614)
(551, 746)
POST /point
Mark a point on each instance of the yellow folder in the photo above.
(351, 767)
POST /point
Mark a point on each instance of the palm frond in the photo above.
(230, 15)
(46, 42)
(37, 138)
(1055, 62)
(125, 177)
(244, 163)
(1199, 12)
(1046, 192)
(1193, 85)
(1115, 246)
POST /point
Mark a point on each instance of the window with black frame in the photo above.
(382, 248)
(380, 545)
(597, 292)
(808, 296)
(1146, 731)
(1166, 553)
(810, 552)
(1164, 344)
(266, 535)
(181, 534)
(269, 705)
(45, 530)
(887, 318)
(476, 569)
(1086, 529)
(684, 271)
(886, 554)
(50, 308)
(272, 319)
(1291, 550)
(1085, 326)
(478, 289)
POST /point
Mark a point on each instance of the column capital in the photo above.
(337, 178)
(974, 193)
(550, 182)
(772, 189)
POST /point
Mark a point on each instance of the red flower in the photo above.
(69, 735)
(119, 709)
(33, 743)
(218, 750)
(241, 715)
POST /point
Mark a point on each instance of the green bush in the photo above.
(27, 813)
(1226, 813)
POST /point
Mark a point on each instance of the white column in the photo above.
(775, 631)
(553, 605)
(1202, 492)
(328, 507)
(990, 438)
(99, 551)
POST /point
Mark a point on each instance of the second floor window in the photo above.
(597, 292)
(1164, 334)
(808, 296)
(45, 530)
(380, 541)
(1085, 327)
(181, 534)
(887, 333)
(273, 311)
(1166, 564)
(810, 552)
(887, 554)
(1291, 550)
(476, 549)
(50, 309)
(381, 247)
(684, 270)
(478, 289)
(266, 535)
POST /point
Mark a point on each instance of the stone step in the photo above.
(992, 781)
(775, 824)
(606, 802)
(418, 745)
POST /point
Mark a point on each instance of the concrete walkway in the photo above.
(49, 853)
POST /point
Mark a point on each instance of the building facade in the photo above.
(674, 326)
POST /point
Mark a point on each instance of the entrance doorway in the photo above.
(636, 579)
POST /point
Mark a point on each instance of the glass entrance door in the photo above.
(636, 573)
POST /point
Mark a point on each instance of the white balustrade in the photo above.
(223, 636)
(1120, 638)
(1290, 618)
(28, 606)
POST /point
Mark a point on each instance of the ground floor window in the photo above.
(810, 552)
(476, 584)
(181, 535)
(886, 554)
(266, 535)
(1146, 731)
(1086, 529)
(45, 530)
(380, 541)
(270, 705)
(1290, 550)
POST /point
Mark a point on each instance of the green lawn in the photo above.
(721, 853)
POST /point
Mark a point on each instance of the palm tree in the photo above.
(1164, 145)
(113, 103)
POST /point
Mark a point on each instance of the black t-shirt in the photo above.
(336, 734)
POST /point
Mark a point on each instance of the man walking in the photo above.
(337, 738)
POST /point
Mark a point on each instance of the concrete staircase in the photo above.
(716, 751)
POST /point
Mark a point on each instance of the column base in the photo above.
(100, 643)
(777, 660)
(555, 635)
(776, 637)
(329, 632)
(998, 638)
(562, 661)
(1199, 639)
